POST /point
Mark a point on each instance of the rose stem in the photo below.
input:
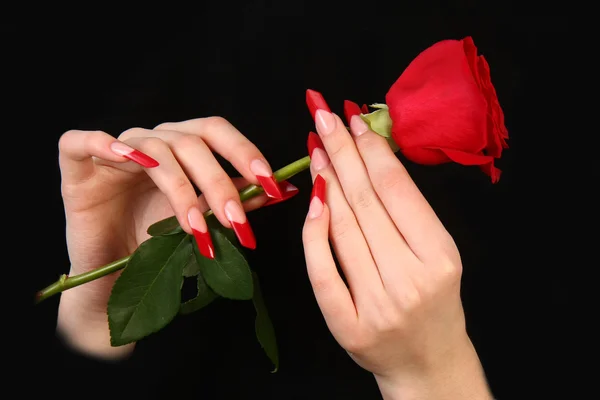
(67, 282)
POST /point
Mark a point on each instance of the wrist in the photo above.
(82, 325)
(457, 376)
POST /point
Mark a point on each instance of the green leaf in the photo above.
(228, 274)
(191, 267)
(204, 297)
(147, 295)
(265, 333)
(167, 226)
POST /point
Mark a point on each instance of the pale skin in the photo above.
(400, 317)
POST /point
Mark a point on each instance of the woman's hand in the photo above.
(114, 189)
(400, 314)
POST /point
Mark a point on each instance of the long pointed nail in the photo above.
(134, 155)
(315, 101)
(317, 198)
(201, 233)
(314, 142)
(364, 109)
(318, 189)
(288, 190)
(239, 222)
(351, 109)
(265, 177)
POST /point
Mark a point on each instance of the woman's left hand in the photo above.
(400, 314)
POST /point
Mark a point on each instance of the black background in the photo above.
(252, 64)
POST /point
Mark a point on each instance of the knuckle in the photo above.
(362, 198)
(65, 139)
(215, 122)
(221, 181)
(180, 187)
(390, 180)
(336, 148)
(448, 269)
(411, 299)
(320, 283)
(165, 126)
(386, 316)
(358, 342)
(154, 145)
(188, 141)
(340, 231)
(132, 132)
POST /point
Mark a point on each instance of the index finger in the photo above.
(406, 205)
(223, 138)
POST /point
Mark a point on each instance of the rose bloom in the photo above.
(444, 108)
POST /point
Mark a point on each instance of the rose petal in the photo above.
(486, 163)
(436, 102)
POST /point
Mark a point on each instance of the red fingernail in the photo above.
(318, 189)
(288, 191)
(134, 155)
(266, 178)
(236, 216)
(315, 101)
(201, 233)
(204, 242)
(351, 109)
(365, 109)
(314, 142)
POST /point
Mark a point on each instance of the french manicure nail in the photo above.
(288, 190)
(314, 142)
(358, 126)
(134, 155)
(315, 101)
(237, 217)
(317, 198)
(350, 109)
(201, 233)
(318, 189)
(325, 122)
(319, 160)
(265, 177)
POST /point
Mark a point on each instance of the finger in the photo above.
(223, 138)
(77, 150)
(379, 230)
(331, 293)
(173, 182)
(258, 201)
(199, 164)
(346, 237)
(404, 202)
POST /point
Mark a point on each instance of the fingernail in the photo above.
(265, 177)
(325, 122)
(134, 155)
(317, 198)
(358, 126)
(237, 217)
(201, 234)
(288, 190)
(365, 109)
(315, 101)
(319, 160)
(314, 142)
(350, 109)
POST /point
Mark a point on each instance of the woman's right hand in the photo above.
(114, 189)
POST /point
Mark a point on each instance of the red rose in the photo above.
(444, 108)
